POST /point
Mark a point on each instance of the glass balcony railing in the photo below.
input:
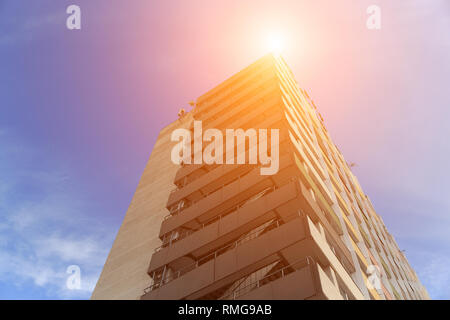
(181, 234)
(186, 204)
(281, 273)
(167, 277)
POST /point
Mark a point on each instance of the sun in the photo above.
(275, 42)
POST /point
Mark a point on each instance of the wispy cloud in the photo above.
(433, 272)
(47, 229)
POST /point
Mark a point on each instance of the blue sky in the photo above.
(81, 110)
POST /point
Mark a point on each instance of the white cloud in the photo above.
(66, 249)
(434, 274)
(30, 252)
(45, 227)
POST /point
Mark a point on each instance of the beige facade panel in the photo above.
(219, 231)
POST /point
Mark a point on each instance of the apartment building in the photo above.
(225, 231)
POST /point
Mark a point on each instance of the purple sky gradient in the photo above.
(81, 110)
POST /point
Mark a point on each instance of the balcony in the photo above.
(237, 81)
(301, 280)
(317, 246)
(223, 228)
(230, 263)
(227, 197)
(208, 183)
(275, 285)
(265, 101)
(225, 102)
(194, 171)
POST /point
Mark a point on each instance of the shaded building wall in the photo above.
(124, 275)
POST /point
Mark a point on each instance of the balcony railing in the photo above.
(185, 233)
(177, 211)
(281, 273)
(250, 236)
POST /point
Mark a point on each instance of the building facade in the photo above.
(225, 231)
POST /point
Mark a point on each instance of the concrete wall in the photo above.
(124, 274)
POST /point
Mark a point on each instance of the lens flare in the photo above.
(275, 42)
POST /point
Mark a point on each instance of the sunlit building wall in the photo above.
(224, 231)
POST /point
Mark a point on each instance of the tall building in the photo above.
(226, 231)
